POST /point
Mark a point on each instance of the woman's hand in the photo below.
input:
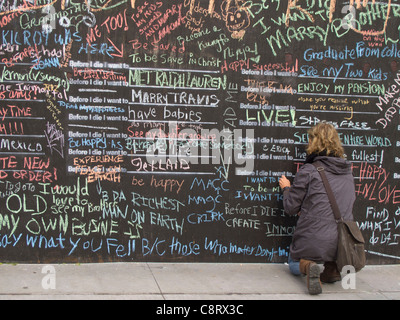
(284, 182)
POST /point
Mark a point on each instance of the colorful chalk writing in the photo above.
(149, 130)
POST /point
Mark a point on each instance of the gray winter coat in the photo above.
(315, 237)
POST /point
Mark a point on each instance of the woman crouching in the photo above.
(315, 238)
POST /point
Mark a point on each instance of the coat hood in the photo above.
(335, 165)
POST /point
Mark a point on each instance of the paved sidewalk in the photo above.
(155, 281)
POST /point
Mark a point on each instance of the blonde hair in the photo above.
(324, 137)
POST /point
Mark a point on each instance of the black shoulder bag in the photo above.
(351, 243)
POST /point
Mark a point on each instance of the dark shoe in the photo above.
(331, 273)
(311, 269)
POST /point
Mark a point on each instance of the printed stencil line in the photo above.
(173, 105)
(15, 153)
(344, 145)
(358, 146)
(9, 170)
(18, 64)
(173, 173)
(178, 156)
(21, 136)
(23, 100)
(351, 129)
(170, 121)
(335, 95)
(22, 82)
(168, 139)
(176, 70)
(23, 118)
(97, 90)
(338, 111)
(173, 88)
(92, 127)
(382, 254)
(334, 78)
(304, 144)
(365, 161)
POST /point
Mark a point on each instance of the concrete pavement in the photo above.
(156, 281)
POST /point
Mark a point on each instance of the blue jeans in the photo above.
(294, 266)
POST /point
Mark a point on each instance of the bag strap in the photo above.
(329, 191)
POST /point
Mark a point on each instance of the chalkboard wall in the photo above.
(157, 130)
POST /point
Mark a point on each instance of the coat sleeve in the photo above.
(293, 197)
